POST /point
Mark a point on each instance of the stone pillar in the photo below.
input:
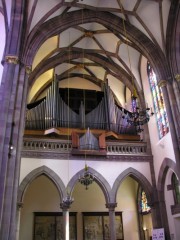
(65, 205)
(19, 207)
(159, 213)
(112, 223)
(13, 92)
(12, 108)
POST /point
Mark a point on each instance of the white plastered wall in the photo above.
(67, 169)
(163, 148)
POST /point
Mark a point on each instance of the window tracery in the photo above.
(158, 102)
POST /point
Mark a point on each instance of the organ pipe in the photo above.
(54, 112)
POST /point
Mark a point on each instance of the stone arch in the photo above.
(36, 173)
(165, 166)
(98, 178)
(139, 177)
(115, 24)
(172, 39)
(59, 58)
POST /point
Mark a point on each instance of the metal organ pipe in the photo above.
(54, 112)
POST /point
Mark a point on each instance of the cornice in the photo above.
(68, 156)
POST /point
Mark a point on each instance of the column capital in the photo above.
(111, 206)
(162, 83)
(177, 77)
(12, 59)
(28, 69)
(66, 203)
(20, 205)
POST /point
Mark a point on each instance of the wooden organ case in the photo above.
(76, 112)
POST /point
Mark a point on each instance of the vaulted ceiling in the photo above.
(87, 41)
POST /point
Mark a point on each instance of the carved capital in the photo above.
(162, 83)
(20, 205)
(177, 77)
(12, 59)
(80, 66)
(66, 203)
(28, 69)
(111, 206)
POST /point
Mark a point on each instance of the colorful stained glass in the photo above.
(143, 204)
(159, 107)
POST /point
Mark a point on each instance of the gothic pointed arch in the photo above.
(98, 178)
(165, 166)
(173, 43)
(43, 170)
(137, 176)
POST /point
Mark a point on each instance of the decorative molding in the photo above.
(89, 34)
(12, 59)
(62, 149)
(66, 204)
(175, 209)
(63, 156)
(177, 77)
(111, 206)
(28, 69)
(162, 83)
(169, 187)
(20, 205)
(80, 66)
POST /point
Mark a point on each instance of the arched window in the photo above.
(144, 208)
(176, 190)
(158, 101)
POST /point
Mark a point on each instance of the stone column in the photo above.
(13, 92)
(19, 207)
(65, 205)
(159, 213)
(112, 223)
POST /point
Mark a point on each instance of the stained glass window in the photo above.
(159, 107)
(144, 208)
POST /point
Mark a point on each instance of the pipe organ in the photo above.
(54, 112)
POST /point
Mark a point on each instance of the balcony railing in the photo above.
(65, 146)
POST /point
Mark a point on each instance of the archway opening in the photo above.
(92, 214)
(136, 225)
(41, 196)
